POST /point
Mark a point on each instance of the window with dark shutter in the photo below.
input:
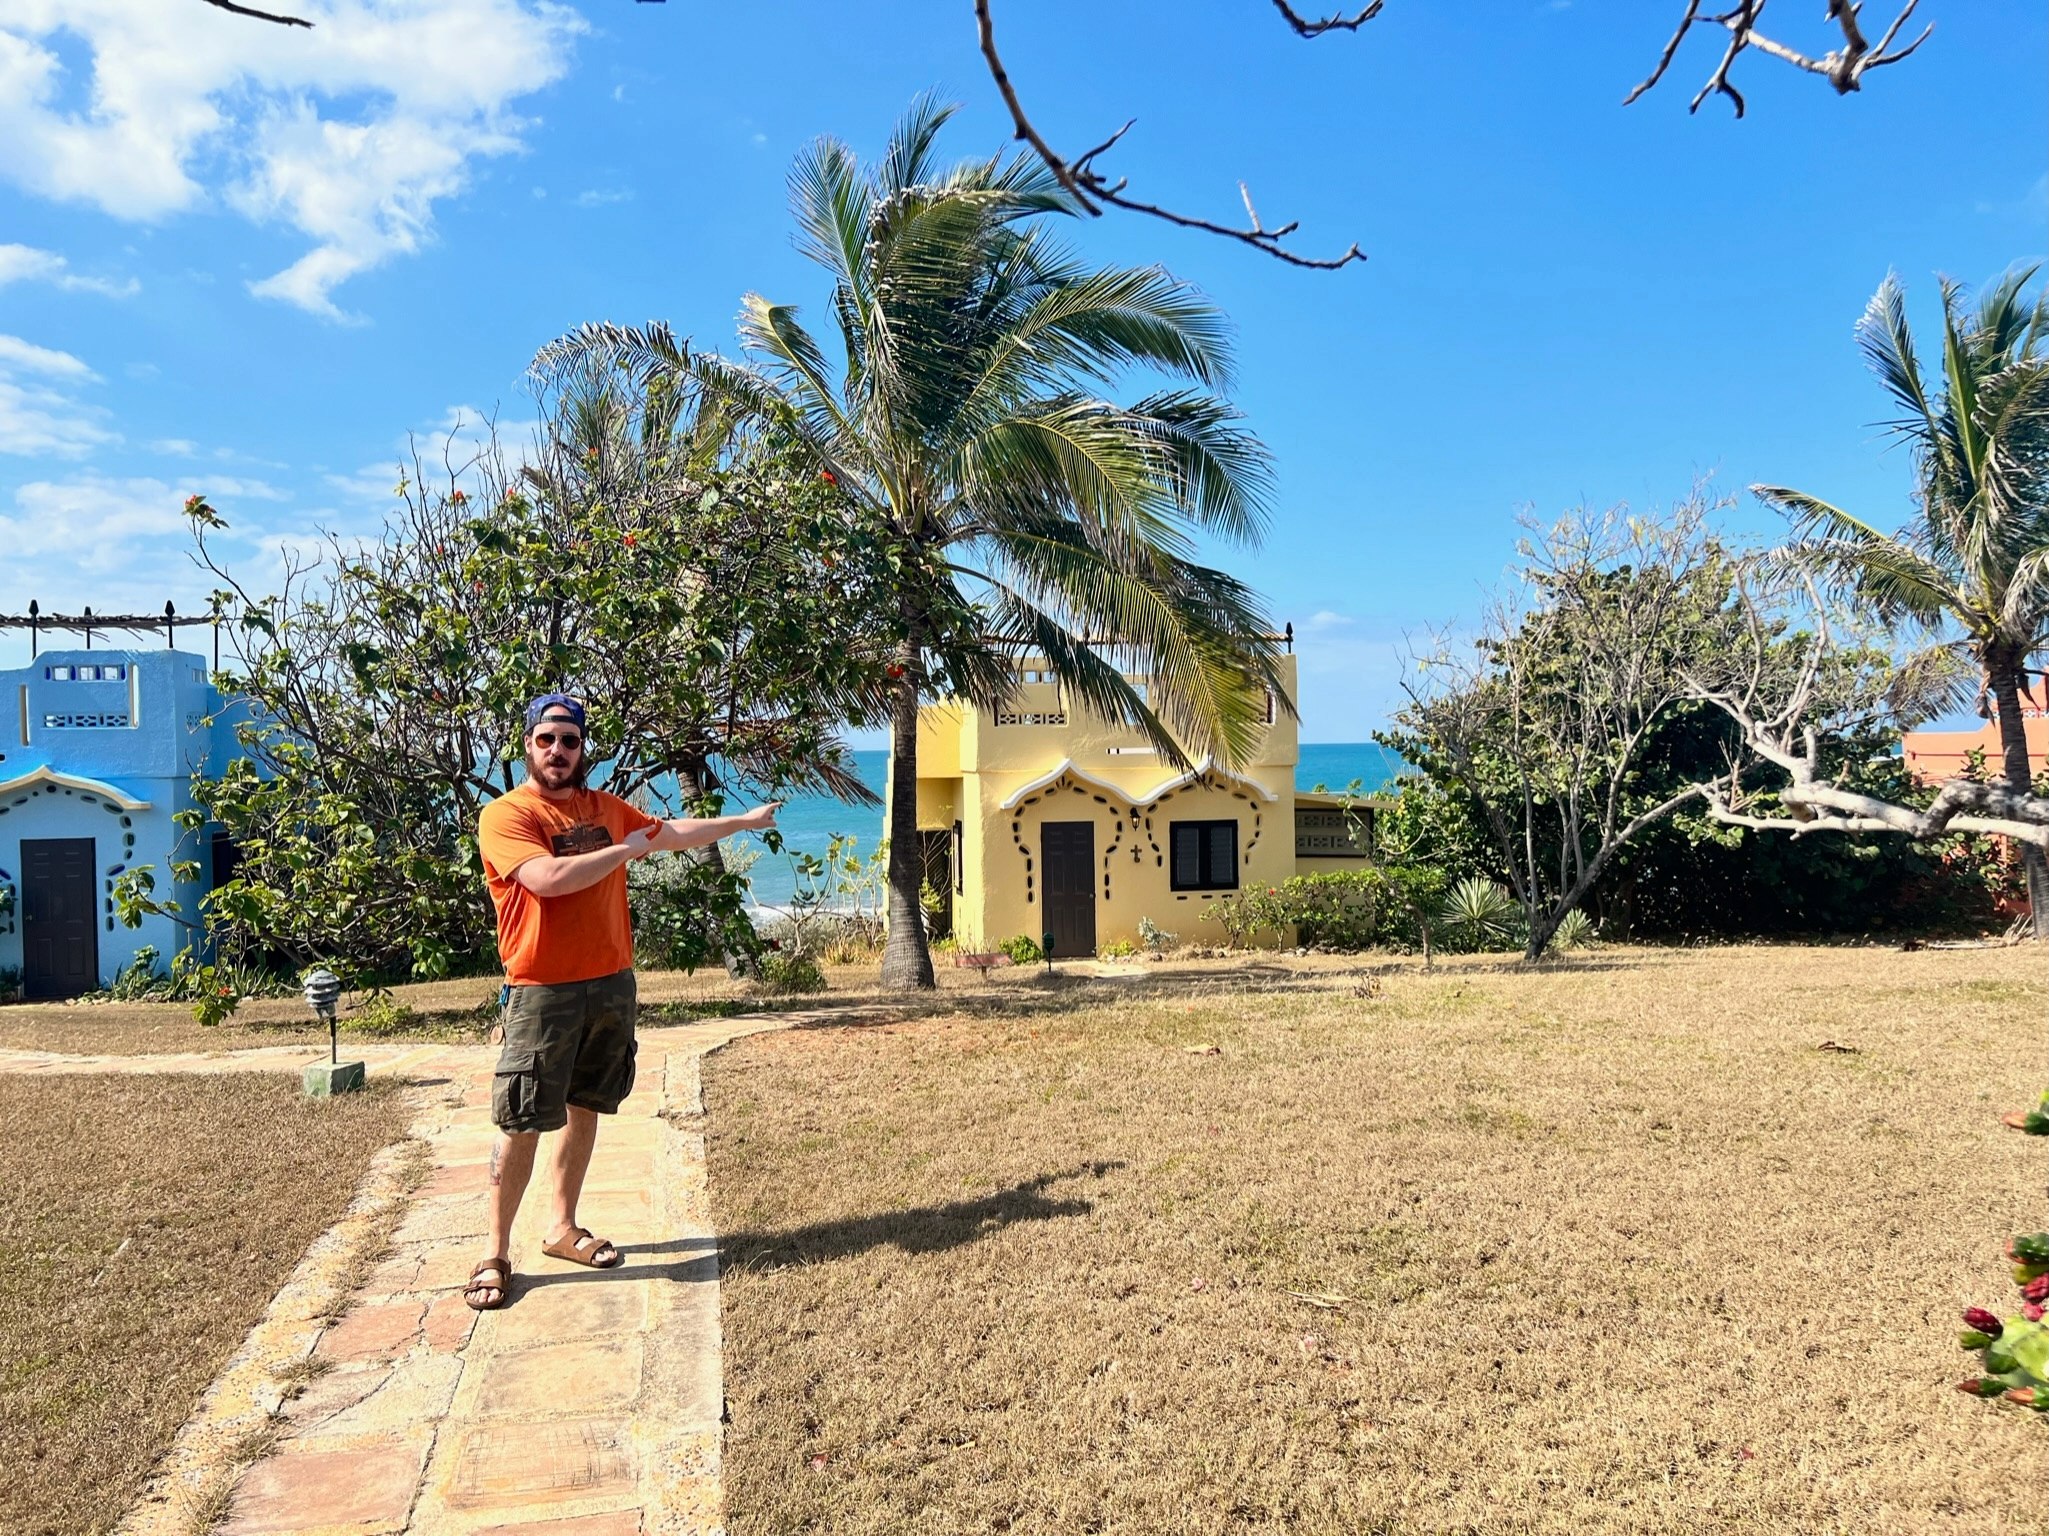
(1205, 855)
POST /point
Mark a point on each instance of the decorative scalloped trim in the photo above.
(38, 777)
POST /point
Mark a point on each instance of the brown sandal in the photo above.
(476, 1288)
(579, 1247)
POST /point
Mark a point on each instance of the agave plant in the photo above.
(1478, 912)
(1575, 930)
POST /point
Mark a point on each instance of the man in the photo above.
(555, 853)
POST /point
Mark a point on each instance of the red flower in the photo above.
(2032, 1311)
(895, 671)
(1983, 1321)
(458, 497)
(628, 540)
(828, 477)
(2036, 1289)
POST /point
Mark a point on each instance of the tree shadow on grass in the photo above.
(921, 1229)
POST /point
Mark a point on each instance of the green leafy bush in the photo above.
(1153, 936)
(784, 973)
(686, 913)
(1343, 909)
(382, 1014)
(1023, 950)
(1117, 949)
(139, 978)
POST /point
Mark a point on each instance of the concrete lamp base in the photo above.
(324, 1079)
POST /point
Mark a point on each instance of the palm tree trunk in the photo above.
(2003, 669)
(906, 960)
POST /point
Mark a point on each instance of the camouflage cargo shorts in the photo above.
(566, 1044)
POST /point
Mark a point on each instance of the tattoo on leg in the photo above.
(497, 1158)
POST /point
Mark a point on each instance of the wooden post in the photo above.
(35, 629)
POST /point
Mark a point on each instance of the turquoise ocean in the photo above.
(810, 822)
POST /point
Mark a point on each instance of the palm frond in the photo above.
(1221, 475)
(907, 162)
(1887, 342)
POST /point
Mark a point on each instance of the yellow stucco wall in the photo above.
(1004, 775)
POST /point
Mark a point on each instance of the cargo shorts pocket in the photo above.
(624, 1073)
(516, 1088)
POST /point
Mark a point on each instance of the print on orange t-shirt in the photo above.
(552, 940)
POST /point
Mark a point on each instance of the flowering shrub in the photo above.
(1341, 910)
(2015, 1351)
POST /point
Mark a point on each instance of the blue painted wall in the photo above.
(141, 722)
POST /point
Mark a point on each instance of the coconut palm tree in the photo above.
(1976, 554)
(1015, 508)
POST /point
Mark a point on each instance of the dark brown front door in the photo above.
(1067, 853)
(60, 937)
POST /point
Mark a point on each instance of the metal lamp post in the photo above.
(326, 1078)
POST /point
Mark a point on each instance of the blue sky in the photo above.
(251, 261)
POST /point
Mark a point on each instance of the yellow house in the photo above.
(1041, 818)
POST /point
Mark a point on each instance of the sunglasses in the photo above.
(570, 739)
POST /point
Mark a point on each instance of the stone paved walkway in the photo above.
(589, 1406)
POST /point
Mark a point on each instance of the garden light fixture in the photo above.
(326, 1078)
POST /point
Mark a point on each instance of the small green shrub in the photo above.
(784, 973)
(1153, 936)
(381, 1014)
(1023, 950)
(1117, 949)
(139, 978)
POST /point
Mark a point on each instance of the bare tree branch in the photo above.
(243, 10)
(1844, 67)
(1783, 733)
(1304, 27)
(1092, 191)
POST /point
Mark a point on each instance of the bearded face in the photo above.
(557, 757)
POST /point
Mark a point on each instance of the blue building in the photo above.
(97, 753)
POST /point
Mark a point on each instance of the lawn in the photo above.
(1612, 1246)
(145, 1223)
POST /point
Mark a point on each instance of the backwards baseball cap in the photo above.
(573, 708)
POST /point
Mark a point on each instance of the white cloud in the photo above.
(596, 198)
(39, 414)
(1324, 621)
(24, 263)
(175, 447)
(18, 356)
(348, 133)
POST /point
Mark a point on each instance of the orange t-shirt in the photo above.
(552, 940)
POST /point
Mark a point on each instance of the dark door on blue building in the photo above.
(60, 936)
(1067, 852)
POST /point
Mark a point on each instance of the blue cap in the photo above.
(547, 701)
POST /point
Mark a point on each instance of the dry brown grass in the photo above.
(145, 1223)
(1620, 1250)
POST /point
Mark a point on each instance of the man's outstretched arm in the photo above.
(696, 832)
